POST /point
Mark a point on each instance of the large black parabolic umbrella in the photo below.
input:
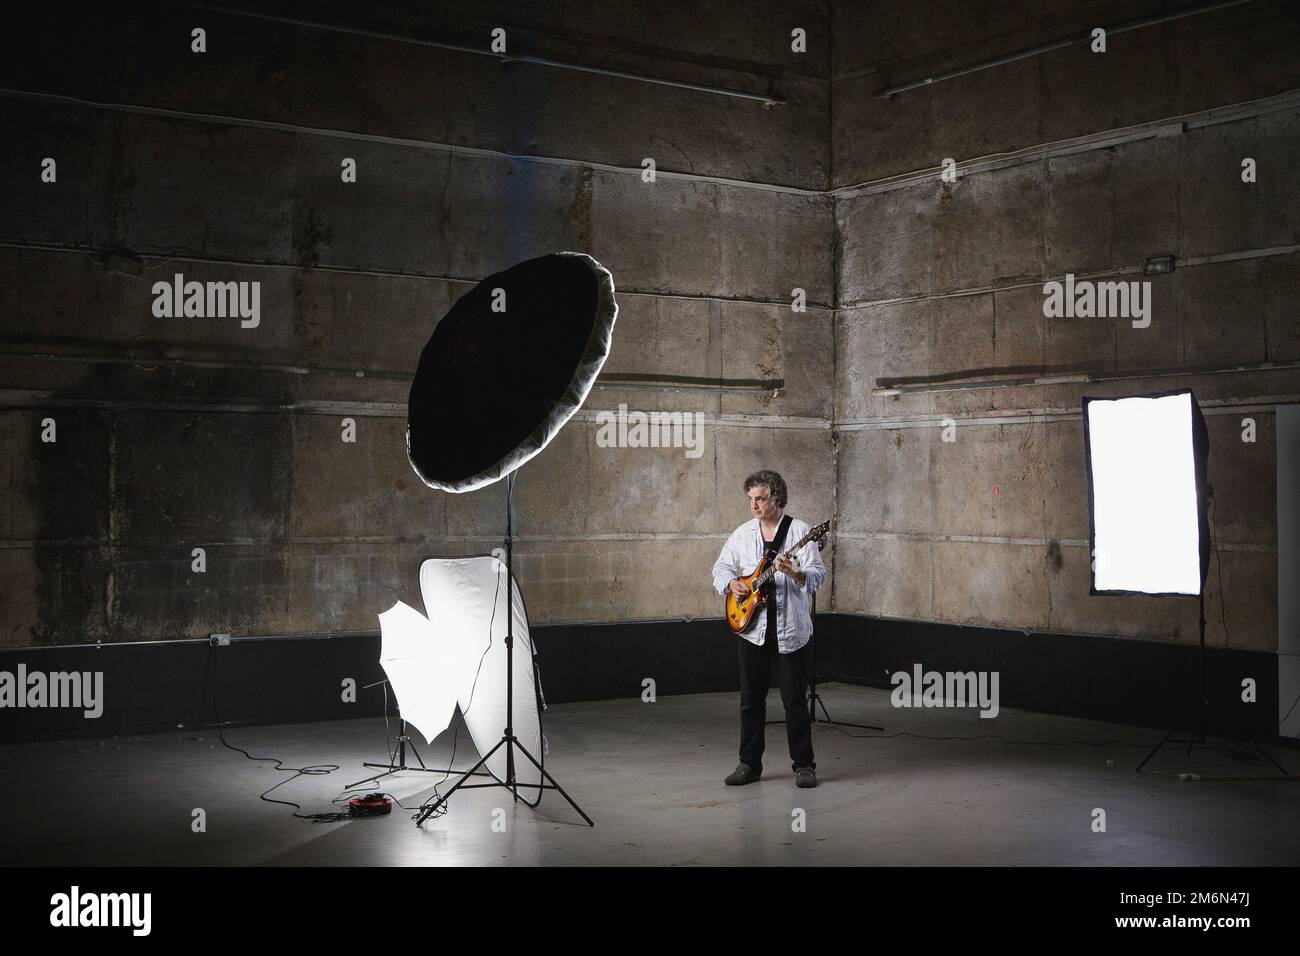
(507, 367)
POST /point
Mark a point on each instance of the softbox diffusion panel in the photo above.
(507, 367)
(1146, 459)
(465, 600)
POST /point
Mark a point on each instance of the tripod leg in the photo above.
(812, 711)
(524, 750)
(1153, 751)
(376, 778)
(817, 699)
(428, 812)
(1267, 756)
(416, 751)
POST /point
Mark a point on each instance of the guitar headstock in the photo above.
(819, 534)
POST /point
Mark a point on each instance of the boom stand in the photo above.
(508, 738)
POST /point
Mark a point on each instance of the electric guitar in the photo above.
(740, 611)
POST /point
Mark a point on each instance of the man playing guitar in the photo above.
(778, 634)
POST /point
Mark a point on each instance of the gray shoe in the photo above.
(742, 775)
(805, 777)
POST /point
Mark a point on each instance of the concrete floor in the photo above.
(651, 777)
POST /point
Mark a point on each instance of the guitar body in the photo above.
(740, 611)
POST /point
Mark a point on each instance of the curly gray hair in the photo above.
(774, 483)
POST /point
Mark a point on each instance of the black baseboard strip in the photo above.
(155, 687)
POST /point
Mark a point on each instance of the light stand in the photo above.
(1199, 738)
(403, 740)
(508, 738)
(813, 697)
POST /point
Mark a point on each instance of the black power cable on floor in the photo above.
(1028, 743)
(314, 770)
(1033, 743)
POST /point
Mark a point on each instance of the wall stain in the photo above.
(1055, 559)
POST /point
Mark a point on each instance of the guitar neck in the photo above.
(770, 570)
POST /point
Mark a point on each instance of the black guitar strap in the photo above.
(770, 551)
(773, 549)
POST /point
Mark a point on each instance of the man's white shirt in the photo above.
(740, 556)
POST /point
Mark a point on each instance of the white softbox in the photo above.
(1146, 461)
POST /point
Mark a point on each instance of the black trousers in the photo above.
(756, 666)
